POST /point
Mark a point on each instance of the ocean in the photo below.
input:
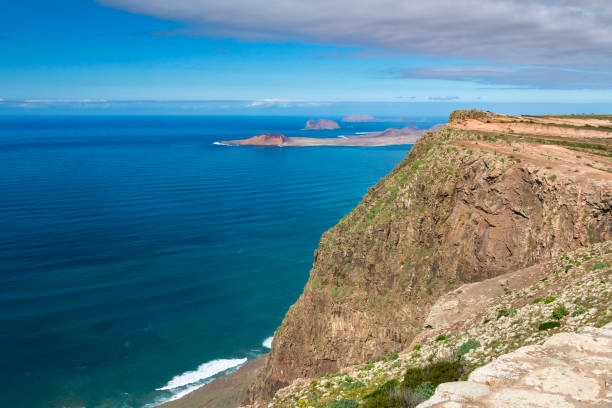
(139, 260)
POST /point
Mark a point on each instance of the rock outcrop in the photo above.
(464, 206)
(569, 370)
(321, 124)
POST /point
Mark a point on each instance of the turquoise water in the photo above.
(138, 260)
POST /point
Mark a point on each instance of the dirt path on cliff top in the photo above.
(457, 310)
(580, 166)
(565, 120)
(514, 125)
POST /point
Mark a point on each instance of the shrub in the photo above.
(441, 337)
(417, 347)
(425, 390)
(405, 397)
(383, 389)
(559, 312)
(392, 357)
(505, 313)
(548, 325)
(549, 299)
(466, 347)
(349, 385)
(398, 396)
(436, 373)
(345, 403)
(600, 265)
(418, 385)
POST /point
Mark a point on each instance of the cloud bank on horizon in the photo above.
(544, 78)
(557, 44)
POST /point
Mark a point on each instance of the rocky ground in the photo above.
(569, 370)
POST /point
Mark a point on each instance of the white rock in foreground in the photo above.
(568, 370)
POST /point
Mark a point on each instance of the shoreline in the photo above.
(227, 391)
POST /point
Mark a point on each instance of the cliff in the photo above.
(496, 332)
(483, 196)
(321, 124)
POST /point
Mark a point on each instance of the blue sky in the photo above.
(81, 51)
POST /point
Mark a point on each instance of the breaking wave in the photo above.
(267, 343)
(189, 381)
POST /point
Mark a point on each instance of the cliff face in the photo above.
(462, 207)
(484, 320)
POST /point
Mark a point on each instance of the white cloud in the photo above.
(60, 101)
(543, 78)
(567, 33)
(282, 103)
(443, 98)
(270, 102)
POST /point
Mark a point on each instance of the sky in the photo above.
(241, 55)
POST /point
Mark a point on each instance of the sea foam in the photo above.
(203, 372)
(221, 144)
(267, 343)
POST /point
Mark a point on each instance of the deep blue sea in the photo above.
(138, 260)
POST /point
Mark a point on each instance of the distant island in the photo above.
(321, 124)
(264, 139)
(407, 135)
